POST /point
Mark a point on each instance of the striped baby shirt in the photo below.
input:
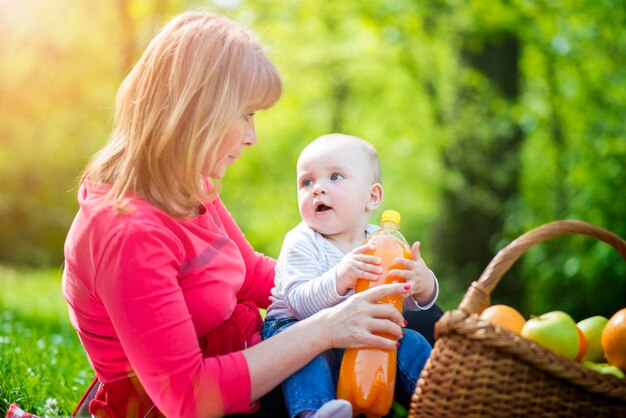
(305, 280)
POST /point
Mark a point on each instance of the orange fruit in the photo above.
(505, 317)
(614, 339)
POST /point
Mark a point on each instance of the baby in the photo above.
(339, 187)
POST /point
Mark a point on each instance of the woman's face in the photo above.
(241, 134)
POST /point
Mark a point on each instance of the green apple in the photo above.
(592, 329)
(555, 331)
(604, 368)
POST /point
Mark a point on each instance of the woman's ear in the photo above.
(376, 196)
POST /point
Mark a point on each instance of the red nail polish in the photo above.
(407, 287)
(405, 322)
(397, 344)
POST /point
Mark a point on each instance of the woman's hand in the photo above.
(353, 322)
(416, 273)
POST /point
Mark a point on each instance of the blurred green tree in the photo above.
(490, 118)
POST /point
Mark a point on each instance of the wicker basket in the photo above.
(477, 369)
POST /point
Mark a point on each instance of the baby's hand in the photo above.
(417, 274)
(357, 265)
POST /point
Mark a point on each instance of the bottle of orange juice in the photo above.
(368, 375)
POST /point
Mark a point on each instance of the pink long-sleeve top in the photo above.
(144, 286)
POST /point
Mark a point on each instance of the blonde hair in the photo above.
(197, 76)
(366, 147)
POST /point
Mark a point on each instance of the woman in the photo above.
(162, 286)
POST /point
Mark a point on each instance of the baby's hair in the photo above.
(368, 148)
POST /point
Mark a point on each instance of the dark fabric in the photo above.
(272, 406)
(424, 321)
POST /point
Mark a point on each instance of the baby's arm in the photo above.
(300, 272)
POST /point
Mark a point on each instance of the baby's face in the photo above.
(334, 181)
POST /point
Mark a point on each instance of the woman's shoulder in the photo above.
(136, 216)
(100, 233)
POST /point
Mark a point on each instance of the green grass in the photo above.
(40, 355)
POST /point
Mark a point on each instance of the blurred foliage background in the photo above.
(491, 117)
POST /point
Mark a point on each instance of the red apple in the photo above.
(592, 328)
(582, 345)
(555, 331)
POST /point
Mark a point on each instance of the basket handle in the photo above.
(477, 297)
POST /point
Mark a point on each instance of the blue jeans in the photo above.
(313, 385)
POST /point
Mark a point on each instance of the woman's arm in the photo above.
(149, 314)
(138, 285)
(349, 324)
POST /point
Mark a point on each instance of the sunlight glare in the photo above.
(227, 4)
